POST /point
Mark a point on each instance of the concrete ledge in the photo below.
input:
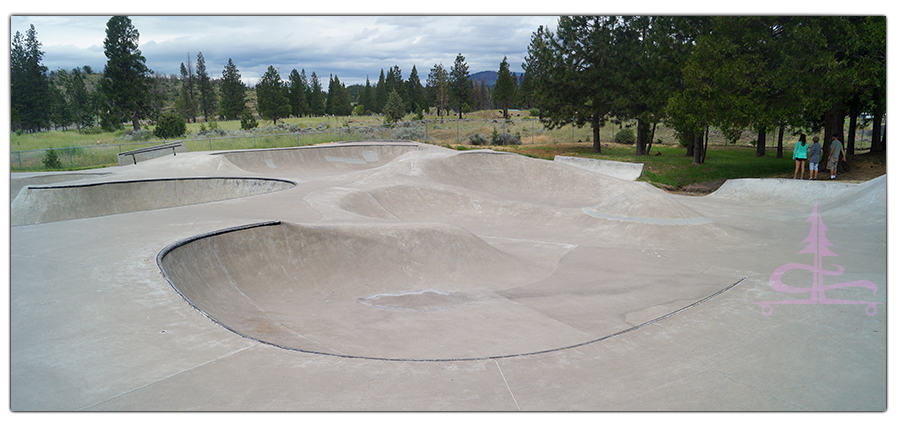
(616, 169)
(149, 153)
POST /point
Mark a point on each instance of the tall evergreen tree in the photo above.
(30, 95)
(233, 93)
(415, 92)
(339, 98)
(297, 93)
(439, 83)
(505, 88)
(575, 72)
(79, 99)
(381, 93)
(367, 98)
(207, 94)
(316, 98)
(462, 94)
(185, 104)
(271, 97)
(125, 76)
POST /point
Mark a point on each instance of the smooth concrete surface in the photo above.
(399, 276)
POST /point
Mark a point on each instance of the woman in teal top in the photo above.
(800, 156)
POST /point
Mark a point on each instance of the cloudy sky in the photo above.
(350, 47)
(321, 37)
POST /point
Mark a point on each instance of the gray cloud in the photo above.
(350, 47)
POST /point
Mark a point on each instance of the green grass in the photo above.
(672, 168)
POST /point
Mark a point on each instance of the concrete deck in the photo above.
(399, 276)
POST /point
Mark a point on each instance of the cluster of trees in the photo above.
(766, 74)
(799, 73)
(128, 92)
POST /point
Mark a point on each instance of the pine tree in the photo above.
(367, 98)
(462, 95)
(30, 96)
(316, 99)
(271, 97)
(125, 82)
(505, 88)
(415, 92)
(438, 82)
(208, 102)
(233, 93)
(393, 109)
(297, 93)
(381, 93)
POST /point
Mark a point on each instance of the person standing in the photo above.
(835, 153)
(815, 151)
(800, 156)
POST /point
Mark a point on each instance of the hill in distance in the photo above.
(491, 76)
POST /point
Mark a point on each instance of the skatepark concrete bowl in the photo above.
(40, 204)
(380, 275)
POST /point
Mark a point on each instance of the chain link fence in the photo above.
(447, 132)
(435, 131)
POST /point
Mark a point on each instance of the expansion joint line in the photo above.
(507, 385)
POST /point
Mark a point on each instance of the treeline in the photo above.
(789, 74)
(128, 92)
(785, 74)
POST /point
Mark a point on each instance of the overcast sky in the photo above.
(350, 47)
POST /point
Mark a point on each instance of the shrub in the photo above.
(170, 125)
(625, 136)
(504, 138)
(478, 139)
(51, 159)
(409, 132)
(247, 120)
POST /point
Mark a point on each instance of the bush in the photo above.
(170, 125)
(51, 160)
(478, 139)
(247, 120)
(504, 138)
(409, 132)
(625, 136)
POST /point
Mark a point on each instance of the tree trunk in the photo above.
(761, 142)
(851, 133)
(135, 122)
(877, 140)
(642, 134)
(689, 147)
(705, 145)
(834, 122)
(698, 149)
(780, 153)
(595, 127)
(650, 141)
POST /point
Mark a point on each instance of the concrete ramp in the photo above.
(331, 158)
(37, 205)
(617, 169)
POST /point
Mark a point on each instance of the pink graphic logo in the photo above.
(818, 246)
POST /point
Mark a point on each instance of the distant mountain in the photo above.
(490, 77)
